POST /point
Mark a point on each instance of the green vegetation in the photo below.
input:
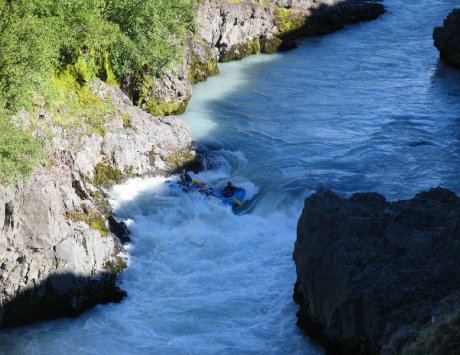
(19, 152)
(104, 173)
(116, 265)
(181, 157)
(286, 21)
(93, 219)
(50, 51)
(158, 107)
(441, 337)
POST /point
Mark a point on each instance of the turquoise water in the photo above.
(369, 108)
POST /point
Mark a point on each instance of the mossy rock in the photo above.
(287, 22)
(240, 51)
(104, 173)
(158, 107)
(199, 71)
(115, 265)
(181, 158)
(93, 219)
(270, 46)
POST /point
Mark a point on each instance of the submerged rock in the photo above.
(371, 273)
(447, 39)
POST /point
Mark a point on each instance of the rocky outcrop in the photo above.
(59, 252)
(238, 29)
(372, 273)
(447, 39)
(50, 264)
(232, 30)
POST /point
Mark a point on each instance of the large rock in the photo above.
(239, 29)
(59, 253)
(447, 39)
(51, 265)
(370, 272)
(232, 30)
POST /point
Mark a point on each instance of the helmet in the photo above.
(229, 183)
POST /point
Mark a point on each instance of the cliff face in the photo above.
(372, 273)
(232, 30)
(447, 39)
(57, 254)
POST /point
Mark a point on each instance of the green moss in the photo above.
(158, 107)
(104, 173)
(93, 219)
(237, 52)
(181, 157)
(199, 71)
(70, 102)
(286, 21)
(439, 338)
(116, 265)
(105, 72)
(100, 201)
(270, 46)
(127, 123)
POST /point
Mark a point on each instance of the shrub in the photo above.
(41, 40)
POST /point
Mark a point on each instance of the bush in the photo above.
(20, 154)
(108, 39)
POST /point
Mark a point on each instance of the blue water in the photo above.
(369, 108)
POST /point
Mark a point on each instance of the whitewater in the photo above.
(369, 108)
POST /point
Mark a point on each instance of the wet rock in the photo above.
(120, 229)
(447, 39)
(372, 273)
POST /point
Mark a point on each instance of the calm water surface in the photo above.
(370, 108)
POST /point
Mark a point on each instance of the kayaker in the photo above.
(228, 190)
(185, 177)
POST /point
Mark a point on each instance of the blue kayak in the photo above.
(234, 200)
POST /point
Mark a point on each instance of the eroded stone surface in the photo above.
(371, 273)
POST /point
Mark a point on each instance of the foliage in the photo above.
(19, 152)
(104, 173)
(151, 31)
(42, 42)
(441, 337)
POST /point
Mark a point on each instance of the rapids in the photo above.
(369, 108)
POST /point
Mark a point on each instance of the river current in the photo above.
(369, 108)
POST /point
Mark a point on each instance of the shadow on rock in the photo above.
(60, 295)
(372, 274)
(329, 18)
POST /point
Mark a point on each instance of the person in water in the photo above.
(185, 177)
(228, 190)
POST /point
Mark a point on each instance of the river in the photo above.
(369, 108)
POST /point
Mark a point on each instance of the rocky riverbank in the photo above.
(447, 39)
(59, 252)
(232, 30)
(380, 277)
(60, 247)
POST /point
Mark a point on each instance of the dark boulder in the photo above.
(447, 39)
(371, 273)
